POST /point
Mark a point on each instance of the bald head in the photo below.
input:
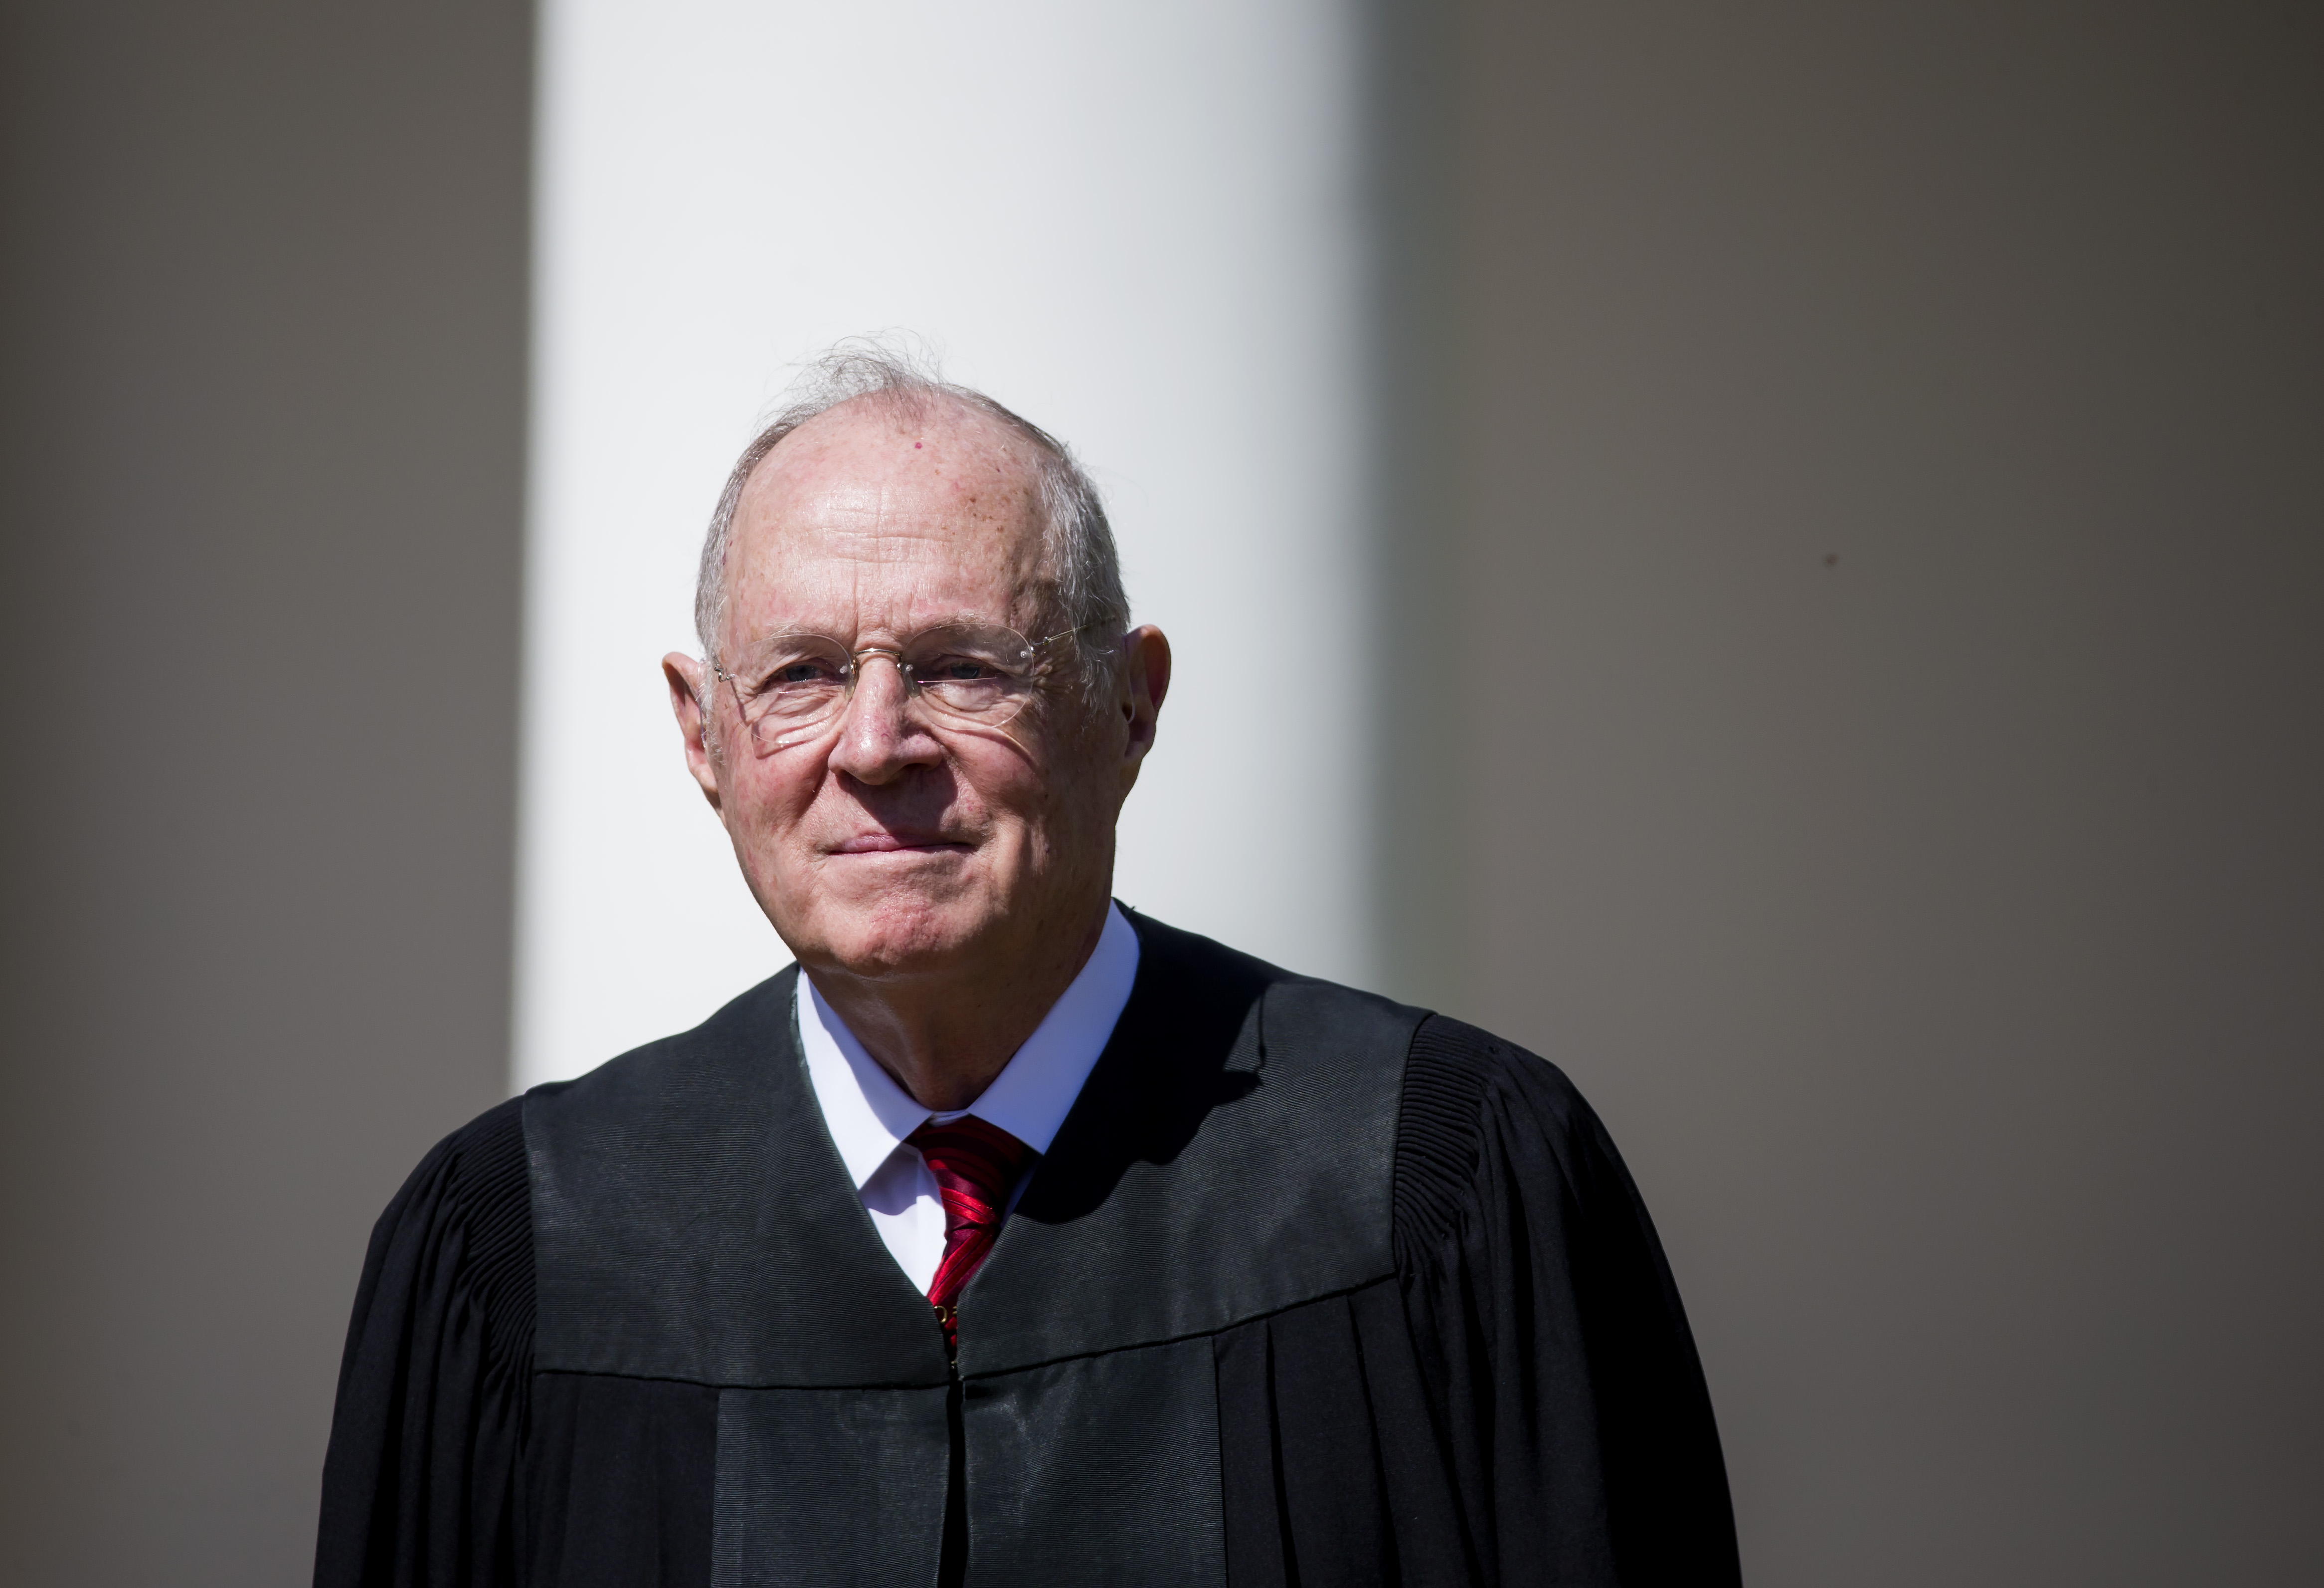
(1078, 568)
(892, 514)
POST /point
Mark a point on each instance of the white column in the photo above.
(1138, 226)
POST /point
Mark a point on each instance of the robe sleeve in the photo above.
(1568, 1401)
(419, 1483)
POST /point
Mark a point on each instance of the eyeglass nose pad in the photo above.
(861, 681)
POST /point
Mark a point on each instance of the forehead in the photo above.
(874, 516)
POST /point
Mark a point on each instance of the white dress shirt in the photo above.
(869, 1115)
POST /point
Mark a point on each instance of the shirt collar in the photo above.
(869, 1115)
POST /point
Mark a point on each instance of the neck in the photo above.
(942, 1035)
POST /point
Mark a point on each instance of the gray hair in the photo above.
(1085, 572)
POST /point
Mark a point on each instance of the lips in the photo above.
(896, 844)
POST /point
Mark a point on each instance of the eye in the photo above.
(805, 672)
(958, 670)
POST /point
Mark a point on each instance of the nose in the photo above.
(881, 736)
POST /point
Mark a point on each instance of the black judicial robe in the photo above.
(1311, 1287)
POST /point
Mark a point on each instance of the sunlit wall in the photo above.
(1135, 225)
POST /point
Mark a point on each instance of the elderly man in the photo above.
(1009, 1237)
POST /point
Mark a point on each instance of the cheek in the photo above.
(1011, 794)
(773, 798)
(1059, 798)
(996, 789)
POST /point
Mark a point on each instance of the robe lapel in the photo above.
(693, 1220)
(1230, 1156)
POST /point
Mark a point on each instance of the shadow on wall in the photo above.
(1877, 544)
(264, 274)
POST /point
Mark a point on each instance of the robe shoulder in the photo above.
(1549, 1340)
(1468, 1093)
(423, 1467)
(737, 1038)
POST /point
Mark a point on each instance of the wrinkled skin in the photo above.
(941, 886)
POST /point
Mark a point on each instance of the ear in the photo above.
(1146, 679)
(691, 702)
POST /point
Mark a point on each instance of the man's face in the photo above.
(891, 842)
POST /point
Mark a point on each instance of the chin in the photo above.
(901, 932)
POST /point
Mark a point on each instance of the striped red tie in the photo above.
(974, 1164)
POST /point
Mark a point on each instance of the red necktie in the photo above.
(974, 1164)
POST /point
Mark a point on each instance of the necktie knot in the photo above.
(974, 1165)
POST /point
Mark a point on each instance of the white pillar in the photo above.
(1140, 227)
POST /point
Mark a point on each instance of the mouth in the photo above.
(897, 843)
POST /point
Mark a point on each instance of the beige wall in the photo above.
(1880, 559)
(261, 447)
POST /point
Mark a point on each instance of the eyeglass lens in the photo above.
(794, 685)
